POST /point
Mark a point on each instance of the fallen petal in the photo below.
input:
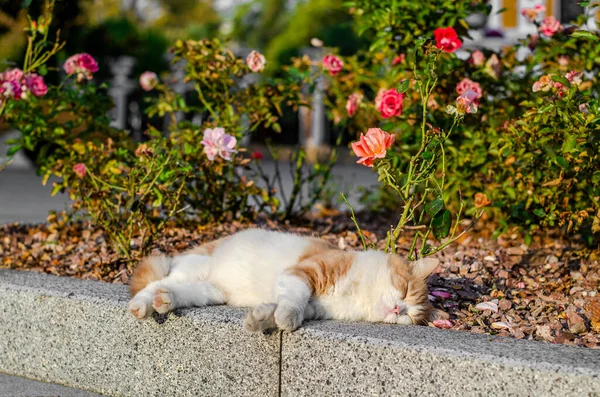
(441, 294)
(499, 325)
(487, 306)
(446, 324)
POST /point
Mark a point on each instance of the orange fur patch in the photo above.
(323, 270)
(146, 272)
(207, 248)
(317, 246)
(414, 290)
(400, 272)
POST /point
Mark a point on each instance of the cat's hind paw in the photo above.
(261, 318)
(163, 301)
(288, 317)
(140, 309)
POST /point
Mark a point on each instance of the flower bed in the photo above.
(546, 291)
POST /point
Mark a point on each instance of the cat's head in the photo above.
(407, 299)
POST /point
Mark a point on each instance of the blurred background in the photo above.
(128, 37)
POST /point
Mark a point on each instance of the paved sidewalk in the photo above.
(15, 386)
(23, 198)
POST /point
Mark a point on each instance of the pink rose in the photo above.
(217, 142)
(10, 89)
(467, 103)
(477, 58)
(83, 64)
(574, 77)
(36, 84)
(148, 80)
(550, 26)
(563, 61)
(446, 39)
(532, 13)
(583, 108)
(353, 103)
(87, 62)
(469, 85)
(389, 103)
(13, 75)
(256, 61)
(333, 64)
(71, 64)
(372, 146)
(80, 170)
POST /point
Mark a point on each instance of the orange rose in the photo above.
(481, 200)
(372, 146)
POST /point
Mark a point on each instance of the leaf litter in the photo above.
(548, 291)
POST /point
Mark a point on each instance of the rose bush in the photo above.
(534, 87)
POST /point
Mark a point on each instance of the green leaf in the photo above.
(584, 34)
(569, 144)
(528, 239)
(403, 86)
(434, 206)
(43, 70)
(539, 212)
(441, 223)
(13, 150)
(25, 3)
(562, 162)
(79, 147)
(387, 126)
(546, 108)
(561, 79)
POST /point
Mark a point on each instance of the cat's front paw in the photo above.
(139, 309)
(261, 318)
(163, 301)
(288, 317)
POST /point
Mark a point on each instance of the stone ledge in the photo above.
(330, 358)
(78, 333)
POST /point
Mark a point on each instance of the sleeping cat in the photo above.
(286, 279)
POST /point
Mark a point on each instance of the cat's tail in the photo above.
(152, 268)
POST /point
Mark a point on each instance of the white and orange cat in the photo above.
(286, 279)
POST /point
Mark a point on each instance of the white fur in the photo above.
(249, 270)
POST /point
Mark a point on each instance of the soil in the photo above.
(547, 291)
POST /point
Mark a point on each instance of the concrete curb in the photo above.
(79, 334)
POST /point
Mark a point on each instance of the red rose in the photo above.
(389, 103)
(446, 39)
(257, 156)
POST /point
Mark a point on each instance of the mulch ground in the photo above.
(548, 291)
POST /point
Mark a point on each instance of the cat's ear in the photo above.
(423, 267)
